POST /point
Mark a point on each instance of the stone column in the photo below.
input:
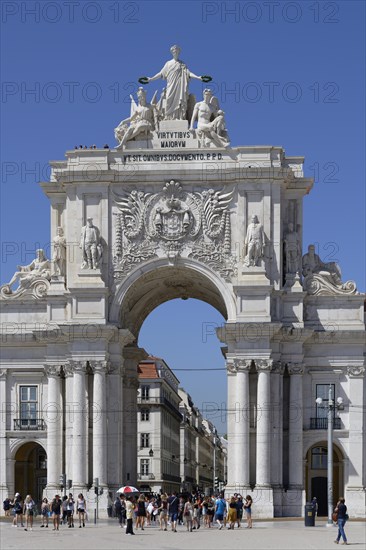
(3, 441)
(132, 356)
(69, 419)
(277, 424)
(295, 430)
(238, 423)
(100, 369)
(355, 484)
(264, 429)
(79, 451)
(53, 419)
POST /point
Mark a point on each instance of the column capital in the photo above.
(3, 373)
(77, 365)
(99, 366)
(278, 367)
(263, 365)
(296, 368)
(237, 364)
(356, 371)
(52, 370)
(115, 367)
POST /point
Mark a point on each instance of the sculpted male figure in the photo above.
(39, 267)
(90, 245)
(59, 253)
(292, 250)
(311, 263)
(254, 242)
(203, 111)
(177, 75)
(141, 121)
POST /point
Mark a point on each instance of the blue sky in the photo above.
(286, 73)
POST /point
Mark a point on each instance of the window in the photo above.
(319, 458)
(144, 466)
(145, 392)
(145, 440)
(145, 415)
(28, 406)
(322, 390)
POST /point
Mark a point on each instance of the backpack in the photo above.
(17, 507)
(118, 505)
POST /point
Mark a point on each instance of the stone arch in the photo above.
(160, 281)
(316, 477)
(30, 468)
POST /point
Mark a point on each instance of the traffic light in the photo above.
(217, 482)
(69, 484)
(96, 485)
(63, 480)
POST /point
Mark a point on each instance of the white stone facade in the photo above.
(182, 218)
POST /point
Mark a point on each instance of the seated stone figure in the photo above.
(40, 267)
(141, 121)
(323, 277)
(210, 121)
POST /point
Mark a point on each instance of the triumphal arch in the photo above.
(175, 210)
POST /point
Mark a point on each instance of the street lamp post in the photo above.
(330, 406)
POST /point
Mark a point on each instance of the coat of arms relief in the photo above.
(173, 223)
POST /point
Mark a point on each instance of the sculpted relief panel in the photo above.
(172, 223)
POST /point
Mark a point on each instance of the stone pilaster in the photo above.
(100, 369)
(53, 419)
(132, 356)
(355, 489)
(4, 490)
(277, 433)
(79, 451)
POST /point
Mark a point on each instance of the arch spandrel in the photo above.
(158, 281)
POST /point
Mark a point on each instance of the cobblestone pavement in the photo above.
(279, 534)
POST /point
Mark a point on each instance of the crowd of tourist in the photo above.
(192, 511)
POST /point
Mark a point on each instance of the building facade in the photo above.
(163, 217)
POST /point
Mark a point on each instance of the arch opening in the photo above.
(30, 470)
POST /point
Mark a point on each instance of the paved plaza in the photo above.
(280, 534)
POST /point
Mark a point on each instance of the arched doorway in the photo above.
(316, 475)
(31, 470)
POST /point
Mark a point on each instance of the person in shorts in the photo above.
(220, 507)
(29, 506)
(18, 510)
(70, 509)
(45, 510)
(163, 509)
(56, 506)
(81, 508)
(173, 509)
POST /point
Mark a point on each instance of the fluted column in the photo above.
(53, 419)
(99, 421)
(238, 422)
(264, 431)
(295, 429)
(79, 451)
(277, 423)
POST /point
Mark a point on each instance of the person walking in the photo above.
(56, 506)
(173, 507)
(239, 510)
(220, 507)
(141, 512)
(188, 514)
(163, 508)
(248, 510)
(29, 506)
(232, 515)
(129, 516)
(81, 509)
(18, 510)
(45, 510)
(7, 506)
(341, 510)
(70, 509)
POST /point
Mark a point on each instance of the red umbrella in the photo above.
(128, 489)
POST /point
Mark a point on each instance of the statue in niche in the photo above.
(254, 243)
(292, 250)
(210, 121)
(175, 97)
(312, 264)
(59, 253)
(90, 245)
(141, 120)
(40, 267)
